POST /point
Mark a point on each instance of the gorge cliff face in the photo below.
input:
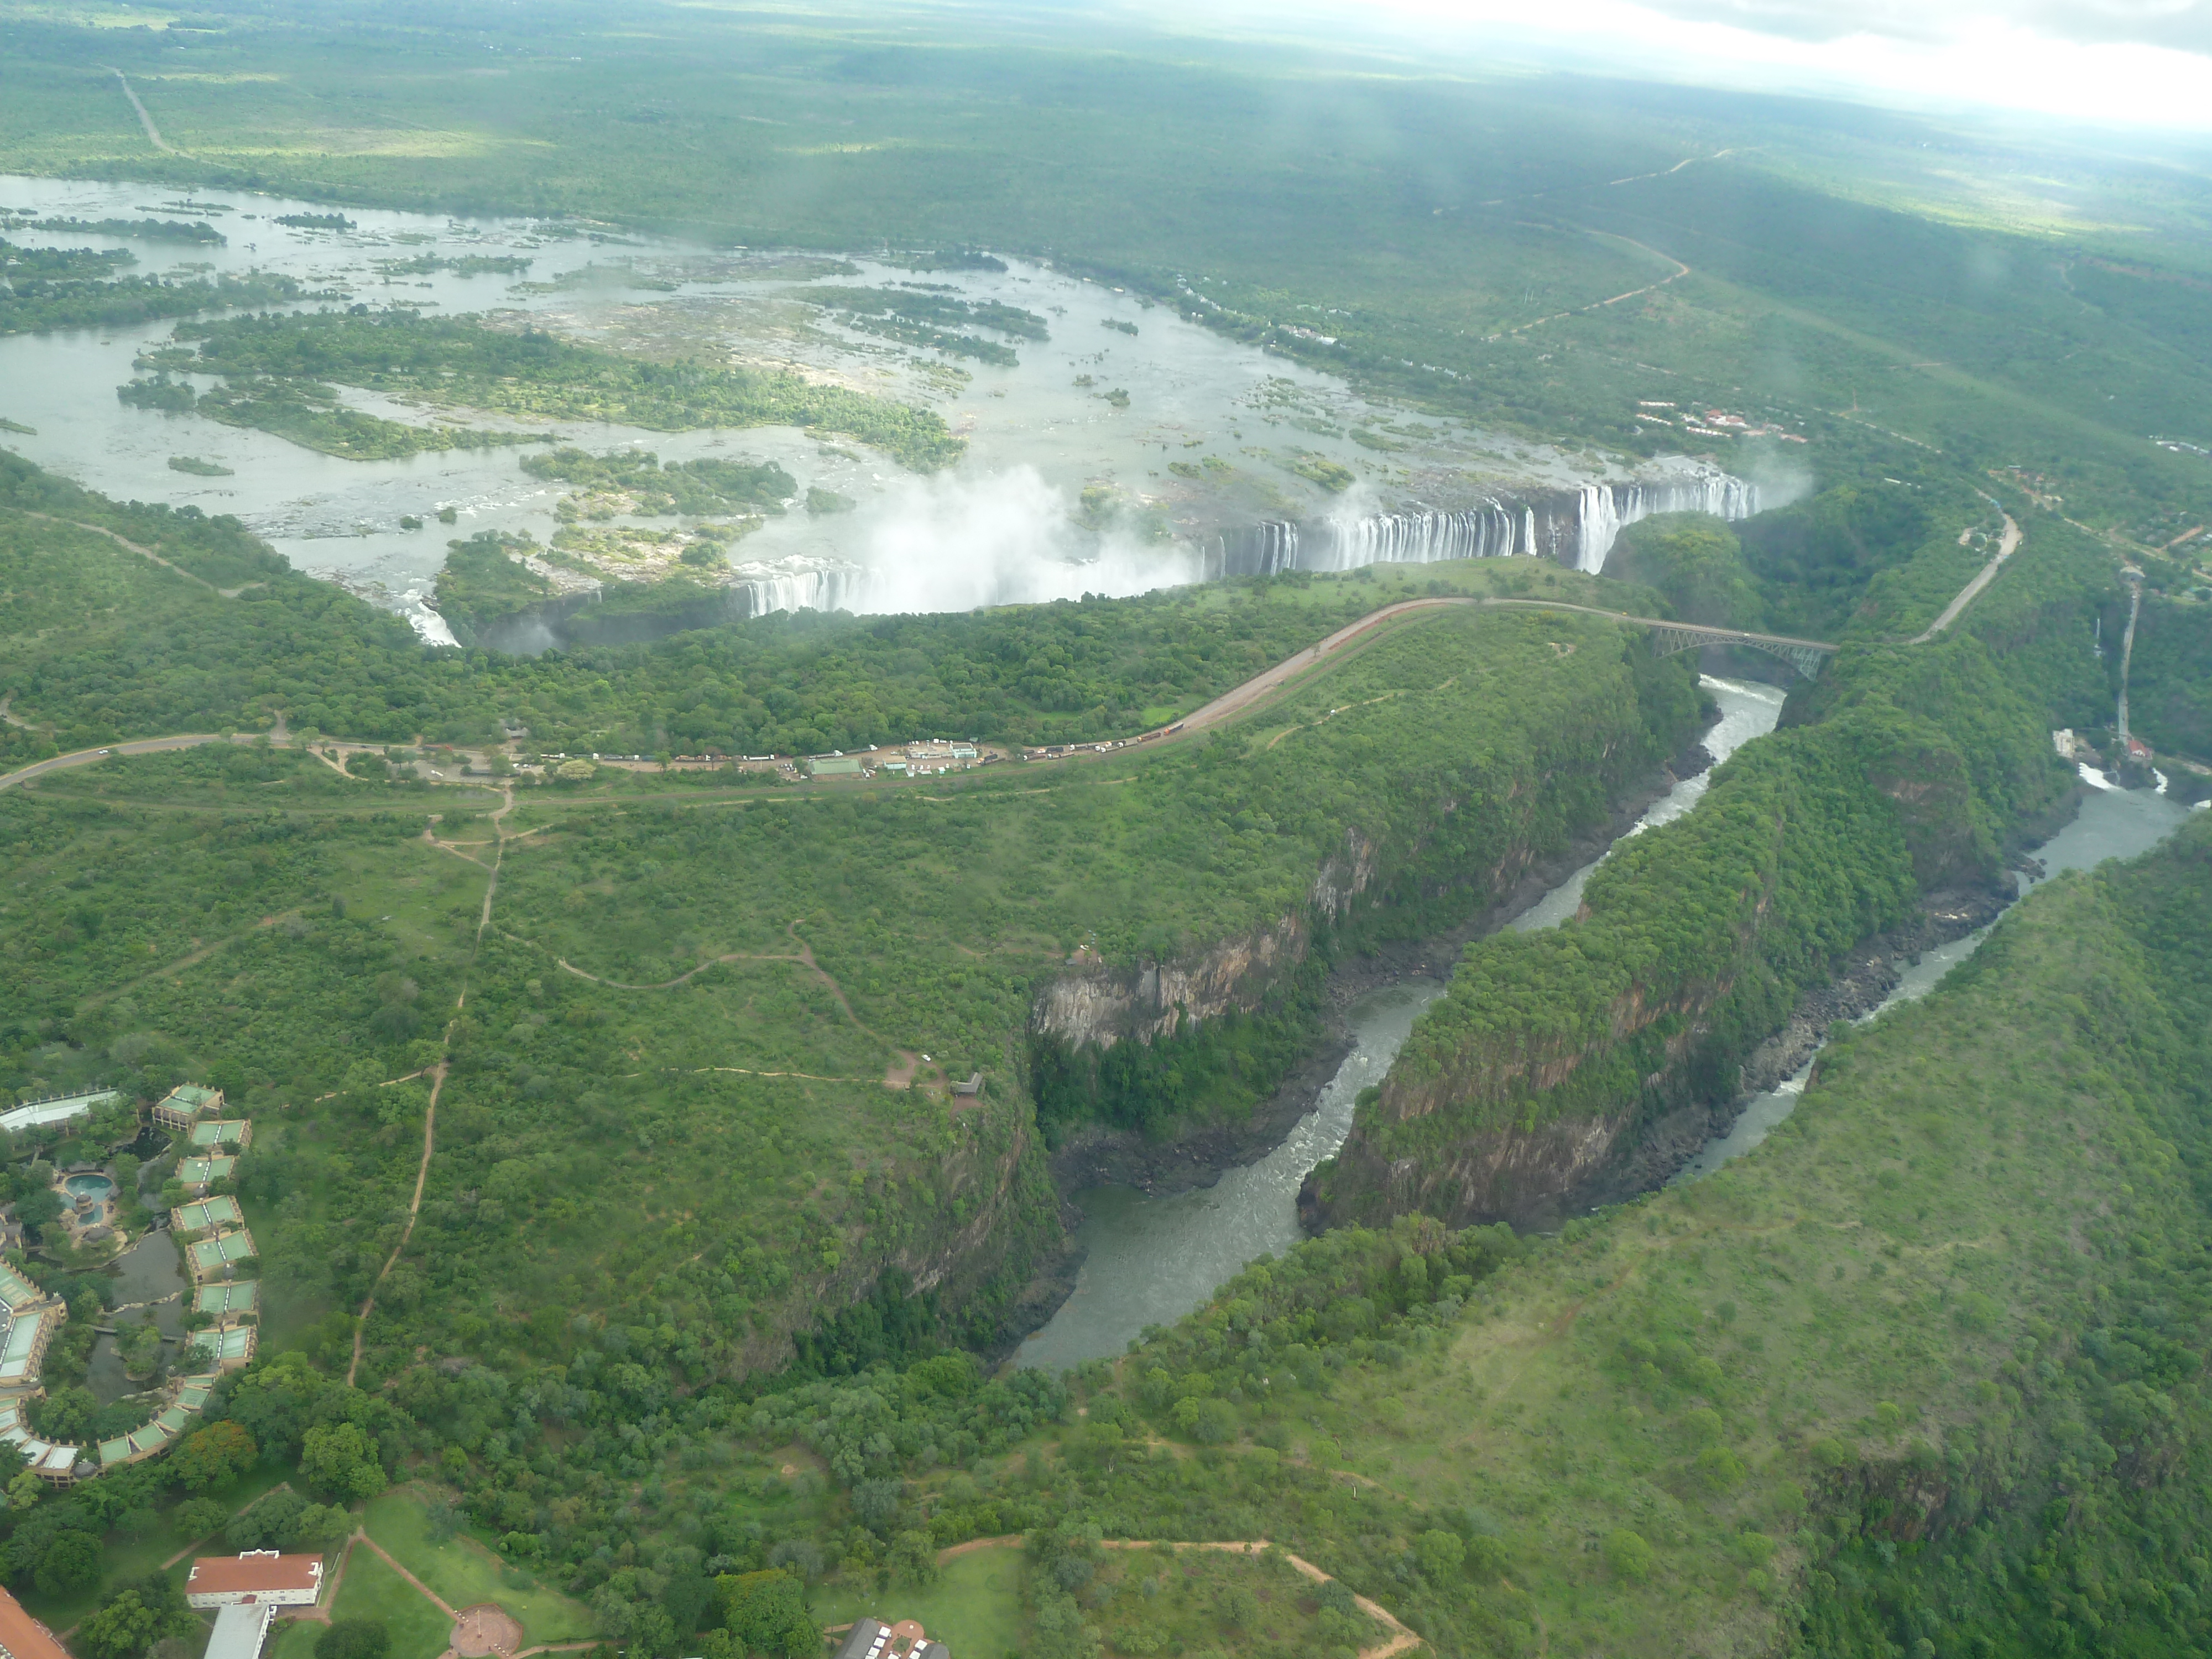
(1535, 1083)
(1433, 835)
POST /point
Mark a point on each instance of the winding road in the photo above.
(1239, 699)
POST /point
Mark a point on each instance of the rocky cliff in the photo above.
(1537, 1083)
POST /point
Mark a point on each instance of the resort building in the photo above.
(207, 1215)
(223, 1303)
(872, 1638)
(240, 1628)
(55, 1109)
(218, 1257)
(56, 1465)
(201, 1173)
(231, 1345)
(28, 1319)
(168, 1425)
(256, 1579)
(22, 1637)
(184, 1105)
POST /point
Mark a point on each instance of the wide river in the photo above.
(1180, 424)
(1150, 1260)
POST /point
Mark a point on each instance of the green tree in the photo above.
(353, 1638)
(338, 1458)
(71, 1563)
(1442, 1554)
(767, 1611)
(196, 1518)
(1630, 1555)
(212, 1456)
(134, 1617)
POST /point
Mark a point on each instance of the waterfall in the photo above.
(1575, 528)
(1607, 509)
(797, 584)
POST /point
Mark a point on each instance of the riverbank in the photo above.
(1199, 1157)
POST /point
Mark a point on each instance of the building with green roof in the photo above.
(207, 1215)
(185, 1104)
(225, 1301)
(212, 1258)
(203, 1171)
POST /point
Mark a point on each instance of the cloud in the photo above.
(2121, 62)
(952, 543)
(2176, 25)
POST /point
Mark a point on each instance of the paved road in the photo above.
(1983, 577)
(153, 133)
(142, 746)
(1234, 702)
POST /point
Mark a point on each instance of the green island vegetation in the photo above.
(310, 415)
(533, 376)
(483, 581)
(45, 288)
(316, 221)
(634, 481)
(7, 425)
(821, 503)
(140, 230)
(198, 468)
(460, 265)
(929, 319)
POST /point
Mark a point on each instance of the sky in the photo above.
(2133, 62)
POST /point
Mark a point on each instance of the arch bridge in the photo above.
(1806, 656)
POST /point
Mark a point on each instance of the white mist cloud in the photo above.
(951, 543)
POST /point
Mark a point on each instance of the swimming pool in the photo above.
(97, 1187)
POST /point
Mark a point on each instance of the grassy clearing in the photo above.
(465, 1572)
(373, 1590)
(975, 1608)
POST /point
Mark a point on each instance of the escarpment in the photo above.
(1445, 779)
(1555, 1059)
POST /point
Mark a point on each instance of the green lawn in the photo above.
(373, 1590)
(975, 1608)
(294, 1639)
(465, 1572)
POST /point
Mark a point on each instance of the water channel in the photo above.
(1149, 1259)
(147, 1273)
